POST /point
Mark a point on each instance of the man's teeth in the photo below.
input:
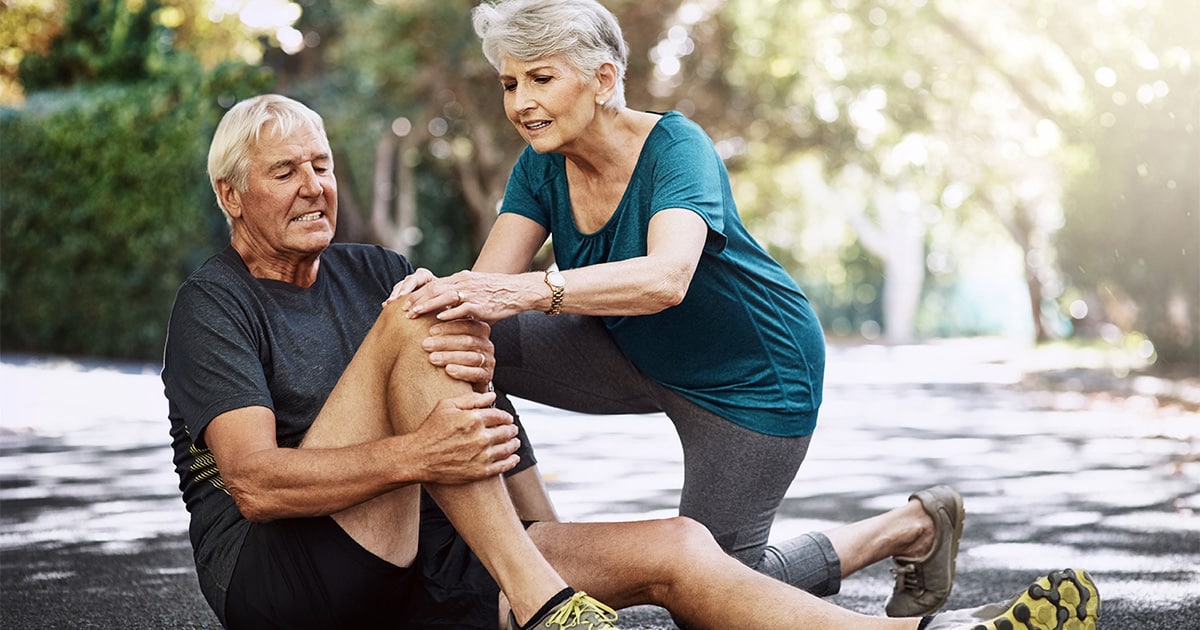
(312, 216)
(537, 125)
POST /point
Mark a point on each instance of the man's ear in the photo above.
(231, 199)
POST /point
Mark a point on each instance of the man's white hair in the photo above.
(243, 126)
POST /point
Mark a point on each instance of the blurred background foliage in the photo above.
(1027, 169)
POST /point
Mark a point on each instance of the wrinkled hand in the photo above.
(464, 439)
(465, 295)
(410, 283)
(463, 348)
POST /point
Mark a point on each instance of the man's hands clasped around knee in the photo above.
(463, 348)
(460, 344)
(465, 439)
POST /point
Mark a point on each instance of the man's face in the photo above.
(289, 208)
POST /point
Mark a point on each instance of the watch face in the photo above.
(555, 279)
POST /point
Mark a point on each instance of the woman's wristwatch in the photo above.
(557, 285)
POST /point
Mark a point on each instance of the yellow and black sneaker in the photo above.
(1063, 600)
(576, 611)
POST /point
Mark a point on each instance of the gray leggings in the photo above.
(734, 479)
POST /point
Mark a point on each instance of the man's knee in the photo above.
(395, 329)
(395, 344)
(689, 534)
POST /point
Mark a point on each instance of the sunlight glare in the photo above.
(269, 14)
(1106, 76)
(291, 41)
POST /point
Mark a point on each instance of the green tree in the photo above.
(102, 41)
(415, 115)
(956, 123)
(1131, 239)
(878, 148)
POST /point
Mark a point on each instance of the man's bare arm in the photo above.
(462, 440)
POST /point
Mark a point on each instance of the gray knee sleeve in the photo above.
(808, 562)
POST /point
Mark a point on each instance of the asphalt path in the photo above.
(1063, 462)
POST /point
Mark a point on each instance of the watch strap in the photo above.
(556, 296)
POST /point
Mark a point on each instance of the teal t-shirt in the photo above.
(744, 343)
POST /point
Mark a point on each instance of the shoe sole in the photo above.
(960, 515)
(1063, 600)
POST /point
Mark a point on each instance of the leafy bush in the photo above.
(104, 209)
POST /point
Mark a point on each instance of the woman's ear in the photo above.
(606, 79)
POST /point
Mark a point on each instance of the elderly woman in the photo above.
(662, 301)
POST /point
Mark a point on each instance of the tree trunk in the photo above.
(406, 201)
(898, 239)
(382, 190)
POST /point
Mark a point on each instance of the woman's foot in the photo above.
(923, 583)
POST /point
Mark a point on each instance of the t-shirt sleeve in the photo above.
(399, 266)
(688, 174)
(521, 191)
(211, 363)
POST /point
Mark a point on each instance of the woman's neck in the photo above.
(612, 144)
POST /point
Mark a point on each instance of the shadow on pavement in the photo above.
(1058, 468)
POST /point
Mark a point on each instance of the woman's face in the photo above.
(548, 101)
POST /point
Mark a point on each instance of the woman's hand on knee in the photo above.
(410, 283)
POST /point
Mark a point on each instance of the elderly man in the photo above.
(342, 462)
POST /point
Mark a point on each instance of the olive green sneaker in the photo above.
(923, 584)
(1063, 600)
(579, 611)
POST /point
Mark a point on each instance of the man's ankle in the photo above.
(557, 599)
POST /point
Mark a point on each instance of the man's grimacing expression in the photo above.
(289, 206)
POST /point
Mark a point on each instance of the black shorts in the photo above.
(308, 573)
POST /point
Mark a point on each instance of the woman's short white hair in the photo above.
(240, 130)
(583, 31)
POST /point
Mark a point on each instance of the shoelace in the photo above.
(581, 609)
(908, 572)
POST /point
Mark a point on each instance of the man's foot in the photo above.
(923, 584)
(1063, 600)
(578, 611)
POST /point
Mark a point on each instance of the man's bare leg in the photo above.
(676, 564)
(391, 387)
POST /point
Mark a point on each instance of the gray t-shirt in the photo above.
(236, 341)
